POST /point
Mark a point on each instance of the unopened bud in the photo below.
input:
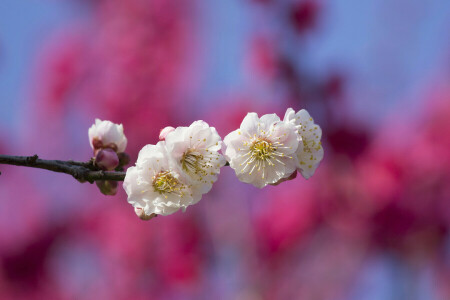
(142, 215)
(124, 159)
(107, 187)
(290, 177)
(106, 134)
(164, 132)
(107, 159)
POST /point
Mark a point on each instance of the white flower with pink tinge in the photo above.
(156, 185)
(106, 134)
(310, 151)
(262, 151)
(196, 151)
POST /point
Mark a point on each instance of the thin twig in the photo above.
(82, 171)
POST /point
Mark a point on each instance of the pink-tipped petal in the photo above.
(164, 132)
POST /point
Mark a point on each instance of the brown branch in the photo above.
(81, 171)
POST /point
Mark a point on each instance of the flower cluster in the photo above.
(262, 150)
(186, 162)
(267, 150)
(175, 172)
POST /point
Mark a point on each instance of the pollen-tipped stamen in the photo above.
(165, 183)
(262, 149)
(196, 164)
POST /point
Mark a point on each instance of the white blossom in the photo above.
(310, 155)
(106, 134)
(156, 184)
(262, 150)
(196, 150)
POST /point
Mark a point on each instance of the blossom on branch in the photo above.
(157, 185)
(195, 149)
(106, 134)
(310, 150)
(262, 151)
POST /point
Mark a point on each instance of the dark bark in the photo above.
(82, 171)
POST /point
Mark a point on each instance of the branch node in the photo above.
(90, 180)
(79, 175)
(32, 159)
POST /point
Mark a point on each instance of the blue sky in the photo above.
(409, 36)
(24, 26)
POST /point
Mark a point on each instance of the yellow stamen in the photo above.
(165, 183)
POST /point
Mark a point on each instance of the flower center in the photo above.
(198, 165)
(261, 154)
(166, 183)
(191, 162)
(262, 150)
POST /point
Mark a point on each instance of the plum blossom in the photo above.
(196, 151)
(262, 150)
(310, 155)
(106, 134)
(156, 184)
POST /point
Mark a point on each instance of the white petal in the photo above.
(134, 190)
(249, 125)
(289, 116)
(286, 134)
(231, 143)
(152, 157)
(309, 161)
(268, 120)
(92, 135)
(200, 123)
(178, 141)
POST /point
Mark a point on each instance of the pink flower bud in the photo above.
(107, 187)
(107, 159)
(142, 215)
(164, 132)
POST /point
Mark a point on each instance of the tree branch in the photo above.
(81, 171)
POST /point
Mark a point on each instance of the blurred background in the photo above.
(372, 223)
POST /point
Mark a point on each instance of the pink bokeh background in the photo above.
(372, 223)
